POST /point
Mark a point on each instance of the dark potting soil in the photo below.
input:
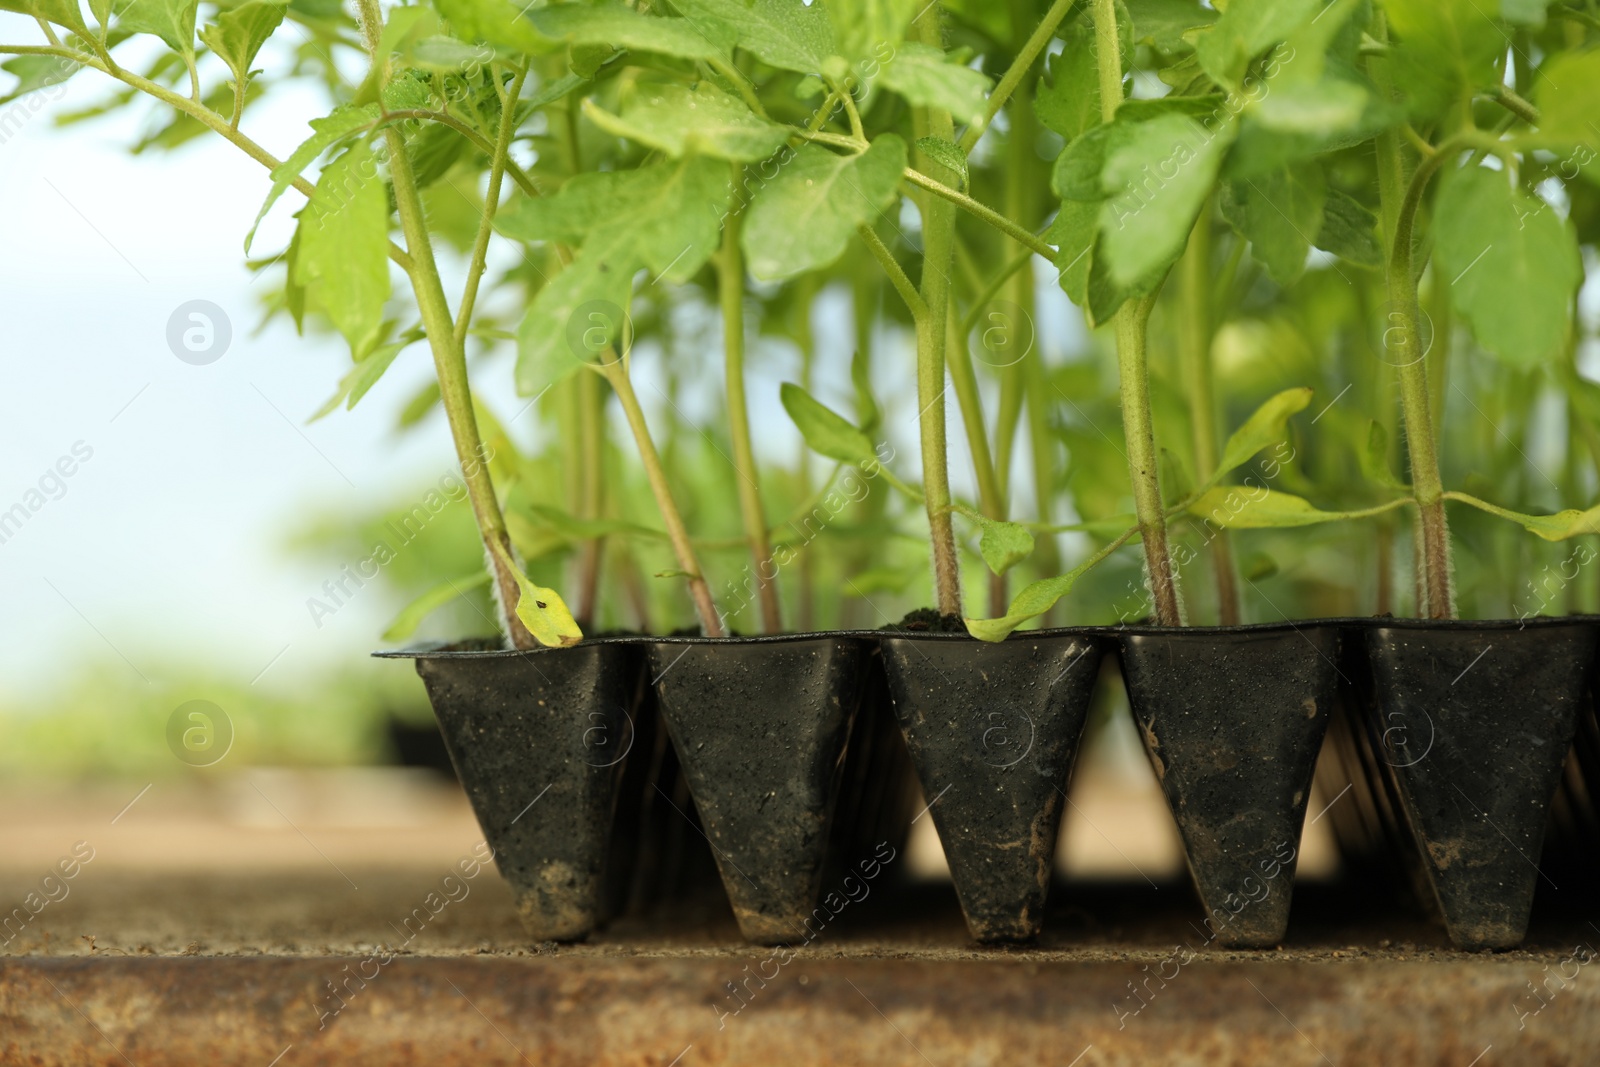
(929, 621)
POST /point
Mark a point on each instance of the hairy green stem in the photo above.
(1403, 347)
(616, 372)
(730, 291)
(990, 498)
(891, 267)
(491, 204)
(1020, 66)
(988, 214)
(933, 329)
(1133, 369)
(1194, 351)
(450, 364)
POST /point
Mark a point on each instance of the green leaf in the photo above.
(36, 72)
(1002, 544)
(1330, 106)
(61, 12)
(616, 25)
(1163, 170)
(344, 122)
(1374, 459)
(788, 34)
(926, 77)
(496, 22)
(1067, 99)
(1163, 23)
(361, 378)
(1278, 213)
(239, 33)
(541, 610)
(1512, 264)
(664, 218)
(405, 624)
(1349, 231)
(1557, 527)
(1246, 29)
(575, 529)
(825, 431)
(1038, 597)
(1238, 508)
(1530, 13)
(170, 20)
(1442, 49)
(869, 27)
(343, 258)
(1569, 85)
(1266, 426)
(1073, 232)
(945, 154)
(679, 121)
(802, 219)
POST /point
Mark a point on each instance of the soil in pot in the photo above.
(760, 726)
(540, 740)
(993, 731)
(1474, 721)
(1232, 721)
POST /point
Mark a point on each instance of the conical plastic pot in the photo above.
(993, 731)
(760, 726)
(1232, 720)
(1473, 721)
(540, 740)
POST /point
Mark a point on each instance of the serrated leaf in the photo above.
(664, 218)
(613, 24)
(826, 432)
(239, 33)
(1267, 425)
(1511, 262)
(405, 624)
(1163, 170)
(171, 20)
(946, 154)
(496, 22)
(1349, 231)
(343, 255)
(1557, 527)
(925, 76)
(36, 72)
(1278, 213)
(1239, 508)
(1067, 99)
(342, 123)
(1442, 49)
(705, 120)
(61, 12)
(1164, 23)
(803, 217)
(788, 34)
(1246, 29)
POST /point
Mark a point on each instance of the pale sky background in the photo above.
(167, 544)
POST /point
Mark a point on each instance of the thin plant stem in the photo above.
(491, 204)
(730, 291)
(615, 371)
(1194, 351)
(990, 499)
(1014, 75)
(988, 214)
(1399, 200)
(897, 277)
(591, 490)
(933, 329)
(1133, 370)
(450, 365)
